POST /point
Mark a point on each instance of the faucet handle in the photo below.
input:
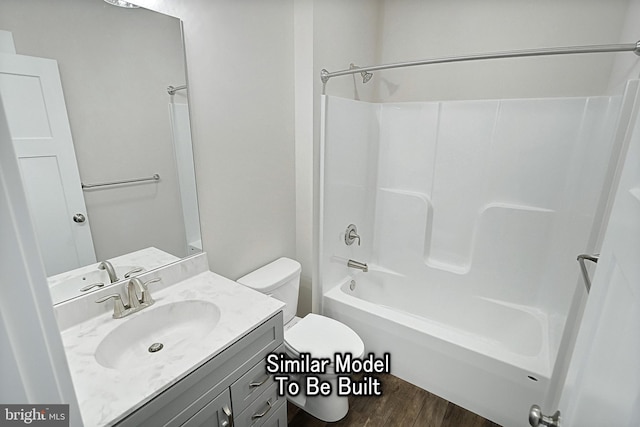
(118, 306)
(135, 270)
(146, 296)
(91, 286)
(157, 279)
(353, 236)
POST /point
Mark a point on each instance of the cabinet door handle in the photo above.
(259, 383)
(263, 413)
(229, 414)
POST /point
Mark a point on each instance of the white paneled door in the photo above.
(32, 95)
(603, 381)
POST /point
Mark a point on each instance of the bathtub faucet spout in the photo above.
(357, 264)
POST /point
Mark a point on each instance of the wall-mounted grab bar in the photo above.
(171, 90)
(585, 274)
(155, 177)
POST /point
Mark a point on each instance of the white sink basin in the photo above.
(178, 326)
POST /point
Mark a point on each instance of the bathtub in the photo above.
(488, 356)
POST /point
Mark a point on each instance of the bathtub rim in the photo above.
(539, 366)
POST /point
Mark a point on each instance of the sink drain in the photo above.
(156, 346)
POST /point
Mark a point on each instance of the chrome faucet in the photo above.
(359, 265)
(132, 293)
(145, 295)
(134, 304)
(106, 265)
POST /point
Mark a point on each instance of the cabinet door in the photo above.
(217, 413)
(279, 418)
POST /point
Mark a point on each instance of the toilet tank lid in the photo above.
(271, 276)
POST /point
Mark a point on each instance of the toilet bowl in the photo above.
(319, 336)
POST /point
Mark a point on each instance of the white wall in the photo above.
(304, 76)
(328, 33)
(413, 29)
(241, 89)
(627, 67)
(115, 65)
(343, 33)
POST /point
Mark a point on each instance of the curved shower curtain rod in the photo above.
(366, 71)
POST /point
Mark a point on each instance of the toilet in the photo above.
(317, 335)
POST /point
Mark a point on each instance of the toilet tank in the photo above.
(279, 279)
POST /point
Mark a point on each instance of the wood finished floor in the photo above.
(401, 404)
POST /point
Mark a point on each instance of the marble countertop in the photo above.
(107, 395)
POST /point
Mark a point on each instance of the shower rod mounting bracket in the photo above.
(324, 75)
(171, 90)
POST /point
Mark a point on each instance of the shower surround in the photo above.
(471, 215)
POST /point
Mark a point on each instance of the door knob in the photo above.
(79, 218)
(537, 418)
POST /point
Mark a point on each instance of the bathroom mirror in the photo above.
(115, 65)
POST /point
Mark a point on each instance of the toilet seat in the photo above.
(322, 337)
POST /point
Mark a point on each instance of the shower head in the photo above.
(366, 76)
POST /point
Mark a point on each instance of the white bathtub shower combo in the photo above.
(470, 215)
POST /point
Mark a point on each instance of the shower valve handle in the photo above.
(351, 235)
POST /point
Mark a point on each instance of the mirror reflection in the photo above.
(104, 147)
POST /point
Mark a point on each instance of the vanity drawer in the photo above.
(251, 385)
(260, 411)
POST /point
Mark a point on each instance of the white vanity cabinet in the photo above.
(231, 389)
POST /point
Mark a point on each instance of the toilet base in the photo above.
(329, 409)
